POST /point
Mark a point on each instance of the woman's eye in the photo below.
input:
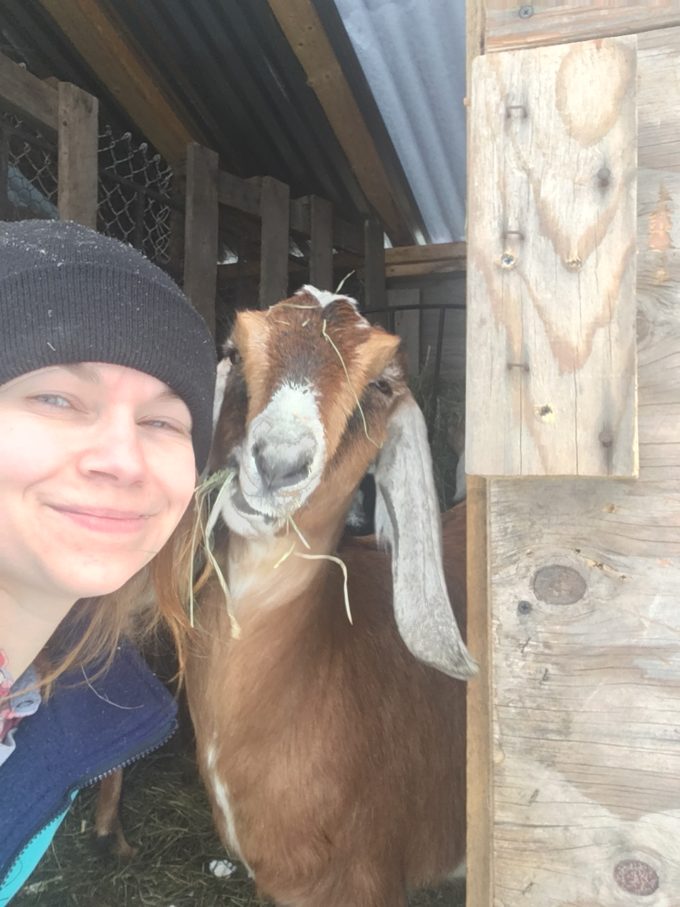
(166, 425)
(54, 400)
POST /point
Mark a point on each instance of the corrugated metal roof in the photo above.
(234, 74)
(413, 56)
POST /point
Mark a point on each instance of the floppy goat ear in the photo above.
(407, 518)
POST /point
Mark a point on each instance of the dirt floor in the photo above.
(167, 819)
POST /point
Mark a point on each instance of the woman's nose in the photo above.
(114, 449)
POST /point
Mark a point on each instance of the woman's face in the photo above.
(96, 469)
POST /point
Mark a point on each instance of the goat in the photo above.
(333, 752)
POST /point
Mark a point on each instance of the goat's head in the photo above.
(313, 396)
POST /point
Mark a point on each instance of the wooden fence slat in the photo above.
(78, 150)
(275, 214)
(321, 251)
(200, 230)
(551, 262)
(27, 95)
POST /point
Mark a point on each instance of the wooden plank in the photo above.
(445, 251)
(108, 51)
(375, 292)
(305, 33)
(28, 96)
(514, 26)
(200, 230)
(480, 774)
(234, 192)
(586, 672)
(274, 211)
(551, 262)
(426, 268)
(658, 99)
(407, 324)
(77, 159)
(321, 251)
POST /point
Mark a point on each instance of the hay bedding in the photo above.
(167, 818)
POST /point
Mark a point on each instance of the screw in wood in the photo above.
(525, 11)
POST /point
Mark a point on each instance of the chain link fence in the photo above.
(136, 203)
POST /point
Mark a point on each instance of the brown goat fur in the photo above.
(333, 758)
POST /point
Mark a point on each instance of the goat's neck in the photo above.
(270, 571)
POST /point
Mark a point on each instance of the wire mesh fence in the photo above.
(135, 190)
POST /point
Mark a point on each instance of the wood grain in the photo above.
(200, 230)
(552, 22)
(585, 624)
(28, 96)
(77, 156)
(551, 262)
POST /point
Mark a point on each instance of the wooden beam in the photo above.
(274, 211)
(321, 252)
(415, 261)
(515, 26)
(77, 159)
(479, 857)
(200, 230)
(28, 96)
(305, 33)
(551, 263)
(112, 56)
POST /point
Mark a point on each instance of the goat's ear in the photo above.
(223, 369)
(407, 518)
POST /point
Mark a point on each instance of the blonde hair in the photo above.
(152, 600)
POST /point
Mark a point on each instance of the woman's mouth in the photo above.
(103, 519)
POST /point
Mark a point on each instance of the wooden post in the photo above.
(275, 214)
(321, 254)
(78, 118)
(374, 268)
(200, 230)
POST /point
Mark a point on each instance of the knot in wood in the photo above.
(606, 438)
(636, 877)
(559, 585)
(604, 177)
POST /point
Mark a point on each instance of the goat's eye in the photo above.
(233, 355)
(383, 386)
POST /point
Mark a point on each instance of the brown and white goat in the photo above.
(333, 753)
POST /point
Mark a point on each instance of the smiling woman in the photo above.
(106, 387)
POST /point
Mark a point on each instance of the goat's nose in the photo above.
(281, 464)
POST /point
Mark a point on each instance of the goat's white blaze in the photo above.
(325, 297)
(221, 792)
(290, 419)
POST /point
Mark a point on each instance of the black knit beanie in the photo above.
(69, 294)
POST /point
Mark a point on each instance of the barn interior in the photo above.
(248, 148)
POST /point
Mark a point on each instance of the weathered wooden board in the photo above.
(77, 158)
(321, 246)
(511, 25)
(200, 230)
(26, 95)
(551, 262)
(584, 589)
(275, 214)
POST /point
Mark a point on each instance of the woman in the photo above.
(106, 387)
